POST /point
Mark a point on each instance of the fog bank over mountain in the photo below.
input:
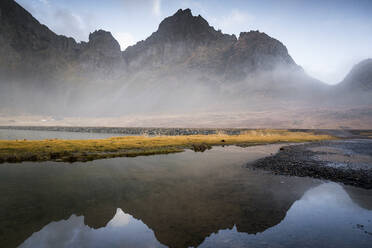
(185, 67)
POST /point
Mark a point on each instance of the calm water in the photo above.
(9, 134)
(180, 200)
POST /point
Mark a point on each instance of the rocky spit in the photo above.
(345, 161)
(152, 131)
(132, 130)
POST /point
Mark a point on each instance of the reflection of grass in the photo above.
(367, 134)
(85, 150)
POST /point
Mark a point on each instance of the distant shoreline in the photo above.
(342, 133)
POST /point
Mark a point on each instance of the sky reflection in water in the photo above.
(180, 200)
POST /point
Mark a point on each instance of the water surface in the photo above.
(179, 200)
(13, 134)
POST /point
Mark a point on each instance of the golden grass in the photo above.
(85, 150)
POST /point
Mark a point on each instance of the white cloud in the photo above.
(193, 5)
(67, 23)
(124, 39)
(156, 7)
(236, 17)
(234, 23)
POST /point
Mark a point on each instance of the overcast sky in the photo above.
(325, 37)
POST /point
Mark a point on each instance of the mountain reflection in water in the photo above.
(179, 200)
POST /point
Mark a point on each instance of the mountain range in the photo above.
(184, 66)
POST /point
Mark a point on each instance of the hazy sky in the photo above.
(325, 37)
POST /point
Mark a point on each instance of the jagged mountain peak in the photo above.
(185, 12)
(104, 41)
(184, 26)
(100, 34)
(252, 34)
(256, 42)
(181, 41)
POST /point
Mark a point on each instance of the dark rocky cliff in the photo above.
(31, 50)
(189, 41)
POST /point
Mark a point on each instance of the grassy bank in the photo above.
(130, 146)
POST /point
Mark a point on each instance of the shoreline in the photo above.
(345, 161)
(15, 151)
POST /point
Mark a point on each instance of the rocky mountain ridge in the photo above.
(184, 65)
(182, 40)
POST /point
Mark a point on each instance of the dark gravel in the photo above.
(316, 160)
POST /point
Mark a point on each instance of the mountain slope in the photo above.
(31, 50)
(27, 46)
(356, 88)
(360, 77)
